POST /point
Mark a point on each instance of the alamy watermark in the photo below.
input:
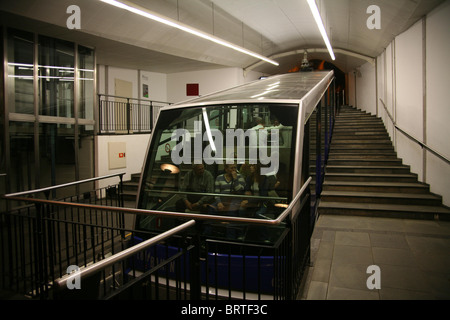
(74, 281)
(374, 21)
(235, 145)
(74, 20)
(374, 280)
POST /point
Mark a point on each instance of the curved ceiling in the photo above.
(274, 28)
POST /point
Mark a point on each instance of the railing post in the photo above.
(100, 118)
(318, 149)
(195, 267)
(151, 116)
(128, 115)
(40, 259)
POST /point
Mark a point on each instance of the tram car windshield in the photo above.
(236, 153)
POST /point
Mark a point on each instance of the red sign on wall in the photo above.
(122, 155)
(192, 89)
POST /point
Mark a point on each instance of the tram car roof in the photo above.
(305, 87)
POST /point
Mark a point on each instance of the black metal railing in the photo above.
(43, 242)
(124, 115)
(40, 238)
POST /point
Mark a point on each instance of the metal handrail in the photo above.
(423, 145)
(23, 193)
(85, 272)
(387, 111)
(197, 216)
(221, 195)
(129, 98)
(94, 268)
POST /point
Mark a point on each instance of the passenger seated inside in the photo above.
(230, 182)
(259, 124)
(197, 180)
(258, 185)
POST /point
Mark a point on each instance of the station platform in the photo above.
(413, 257)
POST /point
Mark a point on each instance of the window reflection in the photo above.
(56, 77)
(20, 72)
(231, 160)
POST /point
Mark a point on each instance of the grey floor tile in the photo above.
(402, 294)
(352, 238)
(344, 255)
(337, 293)
(317, 290)
(322, 269)
(351, 276)
(393, 256)
(402, 277)
(388, 240)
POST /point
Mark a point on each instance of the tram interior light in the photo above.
(169, 168)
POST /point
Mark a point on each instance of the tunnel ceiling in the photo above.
(278, 28)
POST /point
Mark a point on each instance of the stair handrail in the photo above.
(130, 98)
(423, 145)
(190, 215)
(122, 255)
(69, 184)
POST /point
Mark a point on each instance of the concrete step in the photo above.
(364, 152)
(359, 155)
(337, 141)
(368, 169)
(356, 126)
(385, 210)
(130, 185)
(370, 186)
(363, 162)
(360, 135)
(353, 146)
(370, 177)
(130, 189)
(381, 197)
(365, 177)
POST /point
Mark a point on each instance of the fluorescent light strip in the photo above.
(167, 21)
(316, 14)
(208, 130)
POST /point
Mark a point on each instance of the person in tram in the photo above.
(257, 184)
(198, 180)
(230, 182)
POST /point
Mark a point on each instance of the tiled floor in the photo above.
(413, 257)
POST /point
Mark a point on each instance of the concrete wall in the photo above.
(410, 82)
(208, 80)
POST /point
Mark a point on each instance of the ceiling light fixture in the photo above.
(173, 23)
(316, 14)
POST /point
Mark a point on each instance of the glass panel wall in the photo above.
(43, 143)
(20, 72)
(86, 65)
(21, 139)
(56, 77)
(57, 156)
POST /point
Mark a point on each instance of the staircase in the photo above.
(364, 176)
(130, 190)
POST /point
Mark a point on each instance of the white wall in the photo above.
(209, 81)
(365, 88)
(136, 147)
(408, 111)
(156, 82)
(413, 83)
(136, 144)
(437, 99)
